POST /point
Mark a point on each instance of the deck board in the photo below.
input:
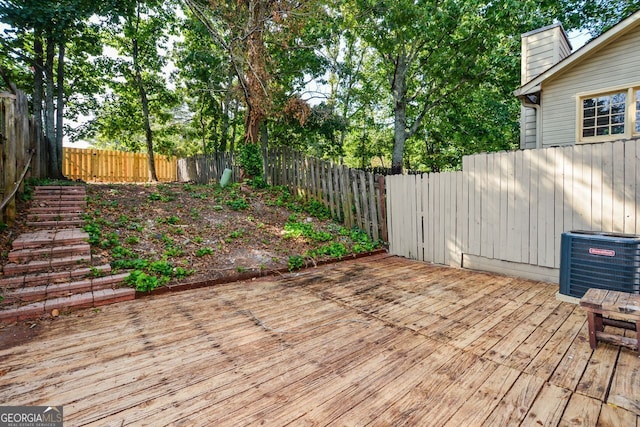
(376, 341)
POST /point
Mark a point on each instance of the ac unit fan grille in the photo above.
(598, 262)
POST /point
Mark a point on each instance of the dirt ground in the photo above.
(209, 231)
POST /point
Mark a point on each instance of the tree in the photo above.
(137, 30)
(246, 29)
(51, 27)
(208, 85)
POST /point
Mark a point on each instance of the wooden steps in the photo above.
(52, 267)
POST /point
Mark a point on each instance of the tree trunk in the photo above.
(399, 91)
(153, 177)
(60, 105)
(224, 130)
(49, 119)
(232, 142)
(42, 169)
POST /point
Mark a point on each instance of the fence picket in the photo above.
(351, 196)
(513, 207)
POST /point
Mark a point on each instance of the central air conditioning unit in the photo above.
(591, 259)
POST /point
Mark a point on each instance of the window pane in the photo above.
(606, 113)
(617, 108)
(618, 118)
(617, 130)
(638, 95)
(638, 120)
(619, 98)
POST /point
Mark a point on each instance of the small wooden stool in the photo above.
(612, 308)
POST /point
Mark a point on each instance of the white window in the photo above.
(609, 116)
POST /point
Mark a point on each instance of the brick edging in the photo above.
(252, 275)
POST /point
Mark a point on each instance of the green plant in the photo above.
(94, 231)
(197, 239)
(3, 226)
(123, 220)
(173, 251)
(177, 230)
(163, 268)
(316, 209)
(120, 252)
(238, 204)
(334, 250)
(295, 262)
(132, 240)
(258, 182)
(237, 234)
(204, 251)
(96, 273)
(304, 229)
(142, 281)
(241, 269)
(161, 197)
(180, 272)
(127, 264)
(110, 240)
(250, 160)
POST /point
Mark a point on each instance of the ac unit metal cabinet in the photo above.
(599, 260)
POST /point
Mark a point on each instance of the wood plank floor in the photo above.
(378, 341)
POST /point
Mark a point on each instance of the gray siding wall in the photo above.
(617, 64)
(541, 49)
(528, 128)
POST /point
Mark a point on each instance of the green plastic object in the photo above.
(226, 177)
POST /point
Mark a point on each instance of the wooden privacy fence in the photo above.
(204, 169)
(506, 212)
(354, 197)
(21, 150)
(114, 166)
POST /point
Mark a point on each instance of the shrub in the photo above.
(250, 160)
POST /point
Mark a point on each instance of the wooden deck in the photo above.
(382, 341)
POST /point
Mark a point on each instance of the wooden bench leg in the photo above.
(595, 325)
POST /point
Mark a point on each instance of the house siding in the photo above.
(541, 49)
(617, 64)
(528, 129)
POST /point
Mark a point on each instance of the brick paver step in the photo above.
(56, 216)
(82, 300)
(38, 279)
(58, 187)
(48, 202)
(42, 266)
(44, 238)
(55, 290)
(55, 210)
(37, 197)
(24, 255)
(69, 223)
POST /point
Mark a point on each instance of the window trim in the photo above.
(630, 114)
